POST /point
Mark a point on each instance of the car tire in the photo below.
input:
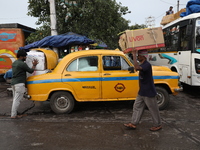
(62, 102)
(162, 97)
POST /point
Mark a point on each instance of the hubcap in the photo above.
(62, 102)
(159, 98)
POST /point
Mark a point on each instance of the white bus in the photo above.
(182, 49)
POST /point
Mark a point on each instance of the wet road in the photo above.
(99, 126)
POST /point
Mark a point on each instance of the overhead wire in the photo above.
(166, 2)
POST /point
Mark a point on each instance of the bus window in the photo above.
(174, 37)
(171, 38)
(167, 38)
(198, 37)
(184, 39)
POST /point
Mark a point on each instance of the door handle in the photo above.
(68, 75)
(107, 74)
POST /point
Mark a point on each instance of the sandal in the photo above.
(155, 128)
(130, 126)
(16, 117)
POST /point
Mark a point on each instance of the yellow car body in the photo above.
(106, 78)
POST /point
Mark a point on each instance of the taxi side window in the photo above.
(114, 63)
(89, 63)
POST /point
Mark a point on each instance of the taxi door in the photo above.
(83, 77)
(117, 81)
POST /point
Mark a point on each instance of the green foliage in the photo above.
(137, 26)
(96, 19)
(40, 33)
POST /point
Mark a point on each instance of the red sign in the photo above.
(119, 87)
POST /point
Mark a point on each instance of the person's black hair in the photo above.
(21, 53)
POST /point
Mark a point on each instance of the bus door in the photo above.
(184, 58)
(184, 55)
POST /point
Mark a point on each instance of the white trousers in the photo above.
(138, 108)
(18, 93)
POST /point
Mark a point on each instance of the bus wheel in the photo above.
(62, 102)
(162, 97)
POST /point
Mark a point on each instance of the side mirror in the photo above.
(131, 69)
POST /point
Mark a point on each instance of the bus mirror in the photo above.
(189, 30)
(131, 69)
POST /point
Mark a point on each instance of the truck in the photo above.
(12, 36)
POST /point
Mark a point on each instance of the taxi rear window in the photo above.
(89, 63)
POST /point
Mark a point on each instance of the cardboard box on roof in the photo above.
(177, 15)
(167, 19)
(149, 38)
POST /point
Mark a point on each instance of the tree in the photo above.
(137, 26)
(96, 19)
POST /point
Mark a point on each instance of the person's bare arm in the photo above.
(35, 62)
(136, 64)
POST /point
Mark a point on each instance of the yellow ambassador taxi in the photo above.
(96, 75)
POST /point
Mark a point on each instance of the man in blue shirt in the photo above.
(147, 93)
(19, 69)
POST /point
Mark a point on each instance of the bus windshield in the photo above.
(197, 34)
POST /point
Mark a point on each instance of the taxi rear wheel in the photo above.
(62, 102)
(162, 97)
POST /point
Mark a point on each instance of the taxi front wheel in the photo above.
(62, 102)
(162, 97)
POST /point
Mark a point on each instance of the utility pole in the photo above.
(53, 17)
(53, 20)
(177, 5)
